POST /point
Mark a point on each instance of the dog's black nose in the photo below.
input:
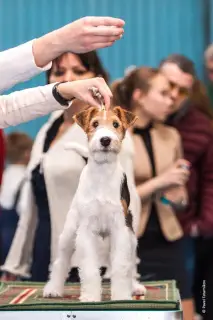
(105, 141)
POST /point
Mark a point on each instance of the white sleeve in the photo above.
(18, 65)
(26, 105)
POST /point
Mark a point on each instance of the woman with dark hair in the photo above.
(193, 117)
(89, 61)
(160, 174)
(53, 174)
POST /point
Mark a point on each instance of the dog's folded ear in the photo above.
(84, 117)
(126, 117)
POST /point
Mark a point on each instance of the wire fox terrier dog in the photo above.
(100, 208)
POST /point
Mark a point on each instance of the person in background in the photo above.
(160, 174)
(54, 173)
(18, 149)
(208, 60)
(193, 118)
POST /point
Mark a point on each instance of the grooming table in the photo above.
(23, 300)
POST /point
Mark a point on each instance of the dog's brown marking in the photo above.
(84, 117)
(126, 117)
(124, 205)
(125, 201)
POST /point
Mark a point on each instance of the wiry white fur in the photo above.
(138, 288)
(96, 211)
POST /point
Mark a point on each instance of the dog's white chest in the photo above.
(101, 186)
(101, 217)
(99, 200)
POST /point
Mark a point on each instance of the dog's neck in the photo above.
(101, 163)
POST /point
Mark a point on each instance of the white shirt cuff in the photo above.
(51, 101)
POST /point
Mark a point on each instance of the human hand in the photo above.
(80, 89)
(177, 175)
(89, 33)
(80, 36)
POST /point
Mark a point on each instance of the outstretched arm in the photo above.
(86, 34)
(25, 105)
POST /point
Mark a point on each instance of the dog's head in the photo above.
(105, 130)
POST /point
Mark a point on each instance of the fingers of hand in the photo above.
(106, 21)
(104, 31)
(98, 91)
(183, 163)
(101, 45)
(183, 176)
(92, 102)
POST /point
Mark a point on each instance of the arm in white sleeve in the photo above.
(26, 105)
(18, 65)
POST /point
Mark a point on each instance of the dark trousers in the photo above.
(8, 223)
(203, 280)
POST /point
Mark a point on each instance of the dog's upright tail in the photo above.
(81, 150)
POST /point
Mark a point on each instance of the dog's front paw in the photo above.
(138, 289)
(52, 291)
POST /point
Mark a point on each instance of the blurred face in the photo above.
(26, 157)
(180, 82)
(157, 103)
(70, 68)
(209, 69)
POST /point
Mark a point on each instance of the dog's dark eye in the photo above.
(115, 124)
(95, 124)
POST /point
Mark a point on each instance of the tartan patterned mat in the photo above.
(161, 295)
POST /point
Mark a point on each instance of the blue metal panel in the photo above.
(211, 20)
(154, 29)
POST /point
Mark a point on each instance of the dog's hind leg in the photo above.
(89, 265)
(61, 266)
(137, 287)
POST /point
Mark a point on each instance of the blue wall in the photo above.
(154, 28)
